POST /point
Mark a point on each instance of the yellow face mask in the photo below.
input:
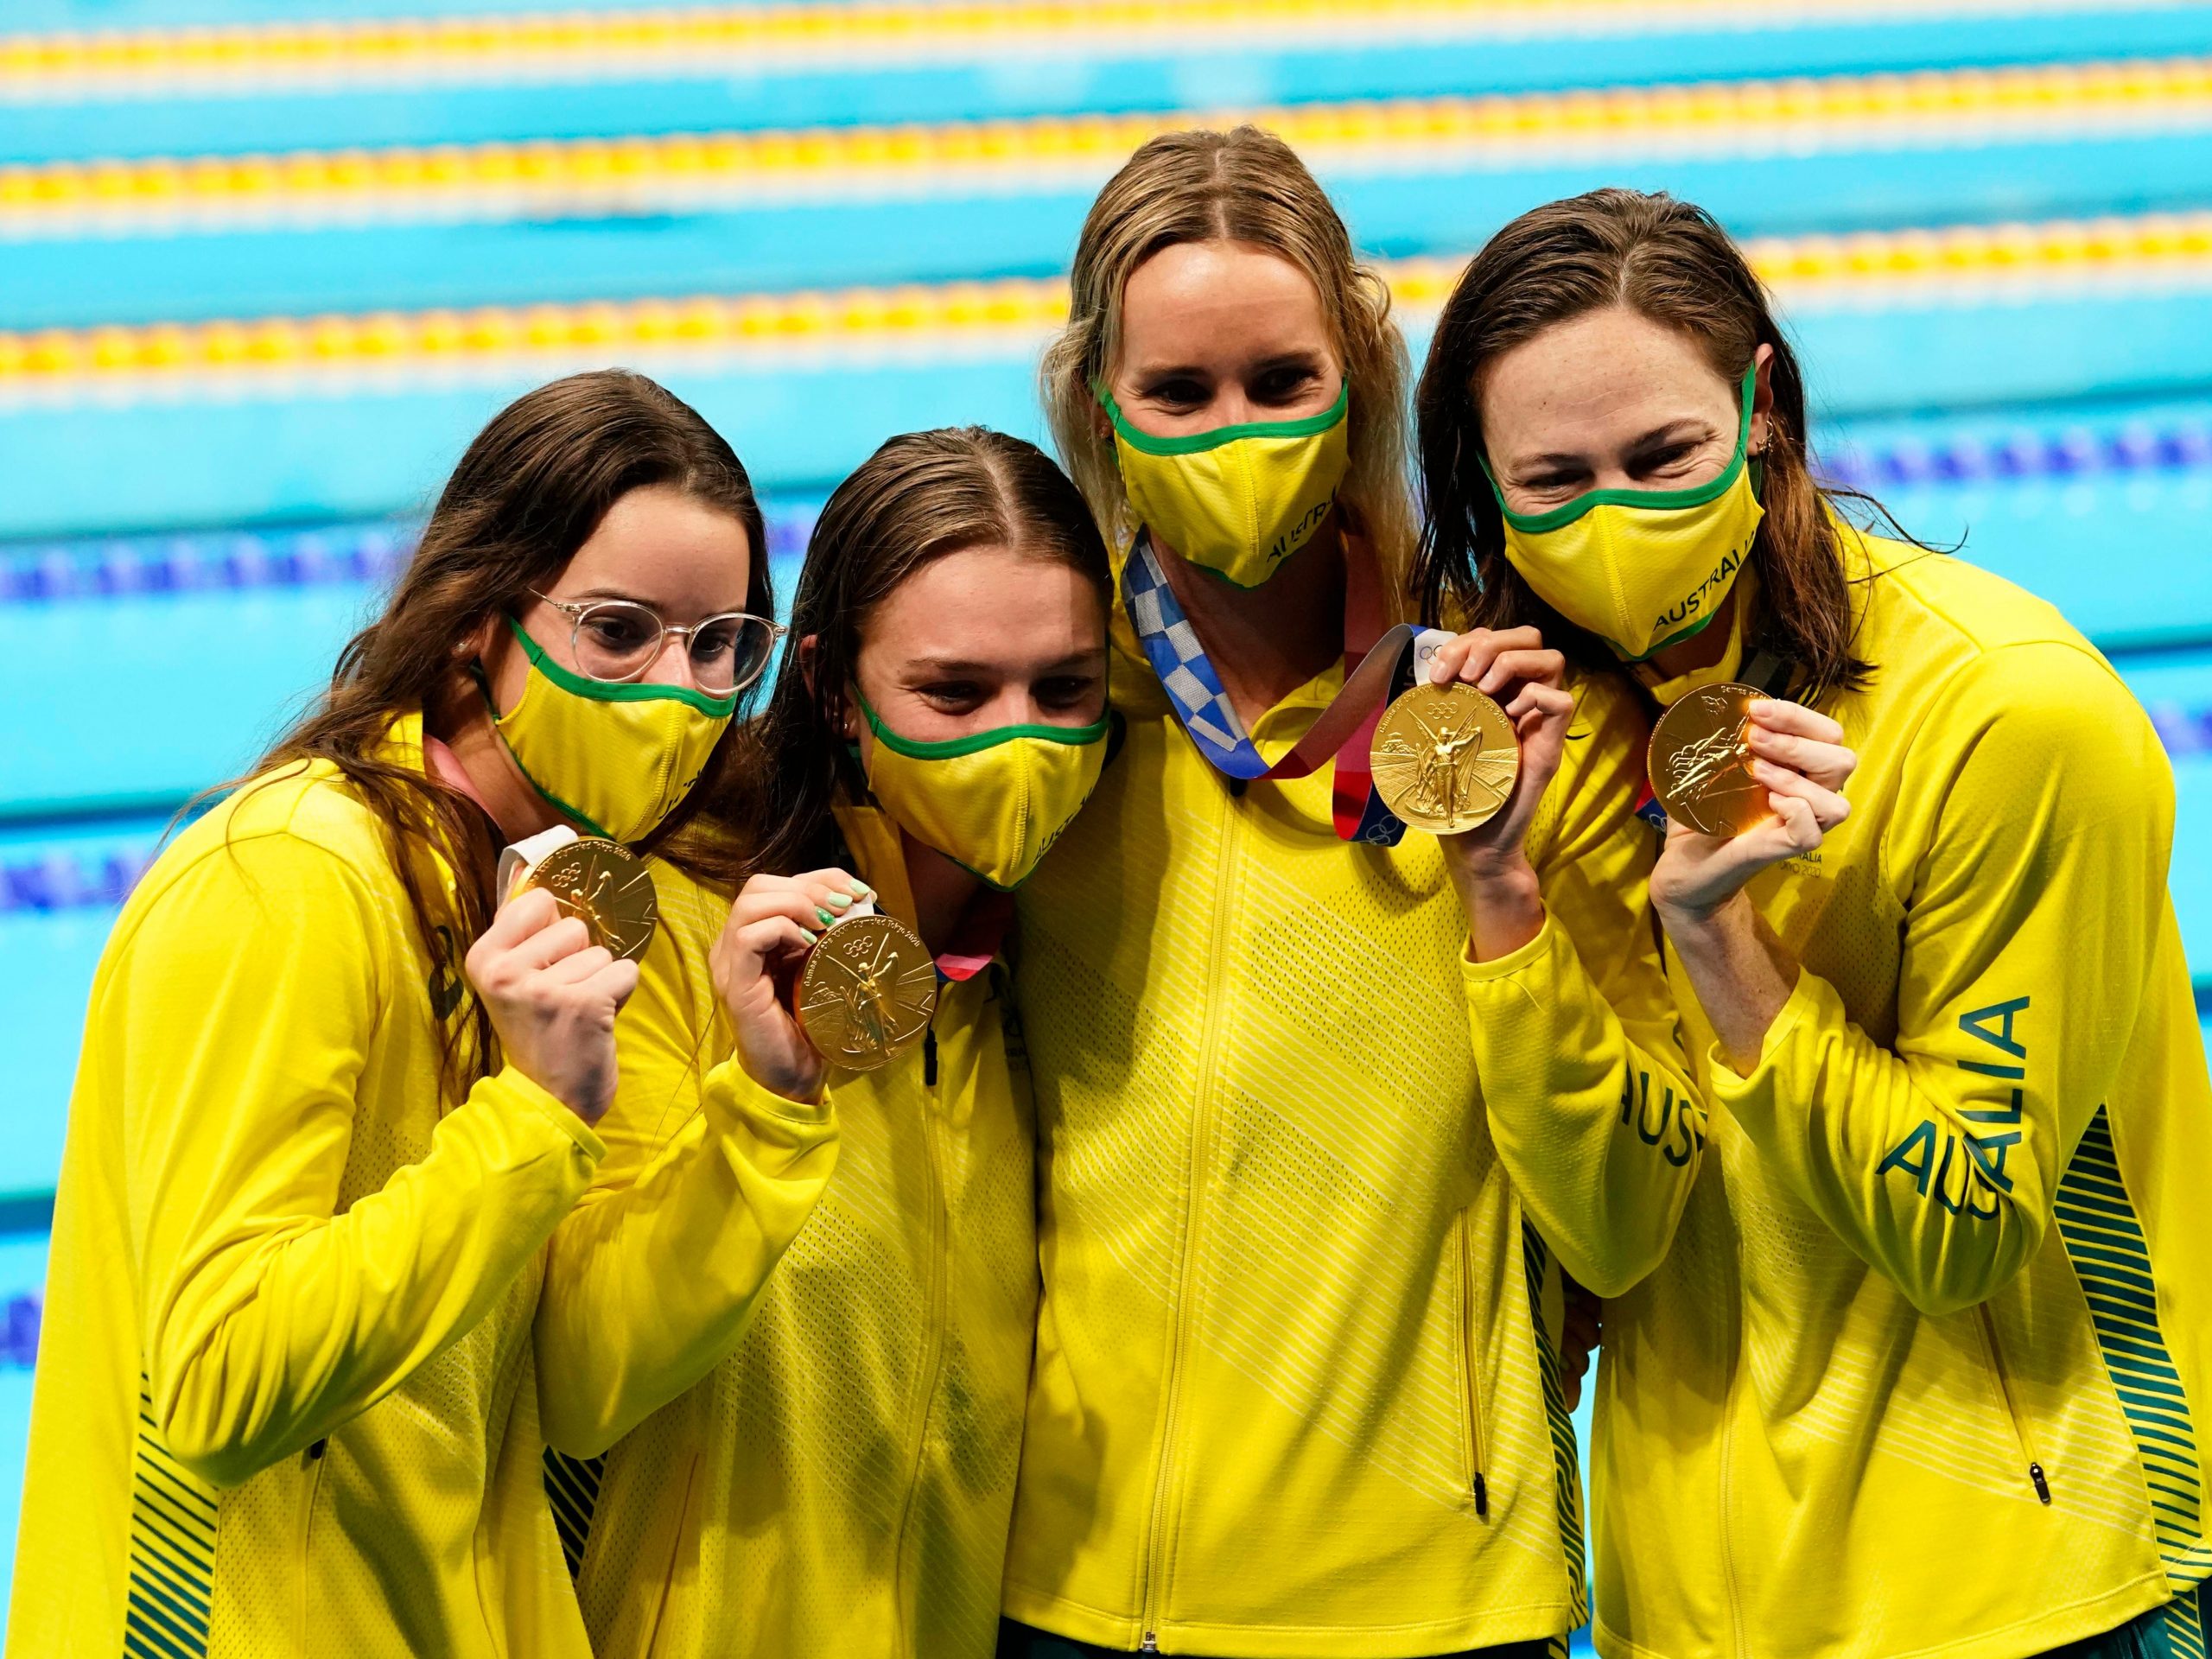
(617, 759)
(1240, 500)
(1643, 570)
(992, 802)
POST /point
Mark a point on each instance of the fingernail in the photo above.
(808, 938)
(826, 917)
(861, 890)
(840, 900)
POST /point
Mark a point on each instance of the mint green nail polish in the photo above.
(839, 900)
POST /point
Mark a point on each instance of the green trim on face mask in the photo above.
(975, 742)
(610, 691)
(1197, 443)
(1536, 524)
(483, 686)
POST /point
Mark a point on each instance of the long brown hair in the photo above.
(529, 492)
(917, 499)
(1241, 185)
(1672, 262)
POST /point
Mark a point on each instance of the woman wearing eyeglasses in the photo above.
(334, 1096)
(827, 1469)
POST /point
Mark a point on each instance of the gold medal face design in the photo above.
(1700, 764)
(1445, 758)
(867, 992)
(608, 887)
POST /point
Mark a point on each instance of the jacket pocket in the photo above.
(1471, 1372)
(2011, 1404)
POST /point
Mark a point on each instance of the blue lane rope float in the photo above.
(119, 567)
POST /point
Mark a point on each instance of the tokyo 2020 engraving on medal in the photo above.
(1701, 765)
(867, 992)
(605, 886)
(1445, 758)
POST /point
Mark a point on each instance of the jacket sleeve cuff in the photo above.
(1800, 1014)
(1515, 960)
(523, 1099)
(730, 1087)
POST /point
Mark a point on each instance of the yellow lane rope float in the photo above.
(603, 175)
(973, 320)
(250, 58)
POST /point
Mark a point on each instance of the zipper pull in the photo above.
(1151, 1642)
(2042, 1486)
(929, 1058)
(1482, 1496)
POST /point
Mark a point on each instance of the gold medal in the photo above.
(867, 992)
(1701, 766)
(1445, 758)
(606, 886)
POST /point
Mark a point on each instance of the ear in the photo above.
(478, 644)
(1762, 400)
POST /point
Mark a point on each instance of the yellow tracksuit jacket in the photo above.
(833, 1479)
(1308, 1178)
(1921, 1373)
(284, 1403)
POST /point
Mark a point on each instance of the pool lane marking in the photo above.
(338, 353)
(606, 177)
(336, 55)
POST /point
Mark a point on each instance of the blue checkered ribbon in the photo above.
(1171, 644)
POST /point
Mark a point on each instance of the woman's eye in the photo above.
(617, 632)
(1066, 691)
(1668, 459)
(953, 694)
(1555, 484)
(1180, 394)
(1283, 385)
(715, 644)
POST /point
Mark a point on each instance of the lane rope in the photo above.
(598, 176)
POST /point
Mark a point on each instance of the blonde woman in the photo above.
(1296, 1389)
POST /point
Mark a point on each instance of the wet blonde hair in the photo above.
(1244, 186)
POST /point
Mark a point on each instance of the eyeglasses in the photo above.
(618, 639)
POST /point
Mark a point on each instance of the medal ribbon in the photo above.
(982, 929)
(1346, 727)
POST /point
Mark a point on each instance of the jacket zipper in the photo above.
(1470, 1368)
(311, 1463)
(652, 1644)
(1156, 1541)
(933, 1326)
(2036, 1477)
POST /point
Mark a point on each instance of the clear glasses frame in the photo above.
(578, 610)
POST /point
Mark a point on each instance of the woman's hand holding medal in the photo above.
(553, 994)
(1528, 684)
(772, 928)
(1495, 759)
(1791, 766)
